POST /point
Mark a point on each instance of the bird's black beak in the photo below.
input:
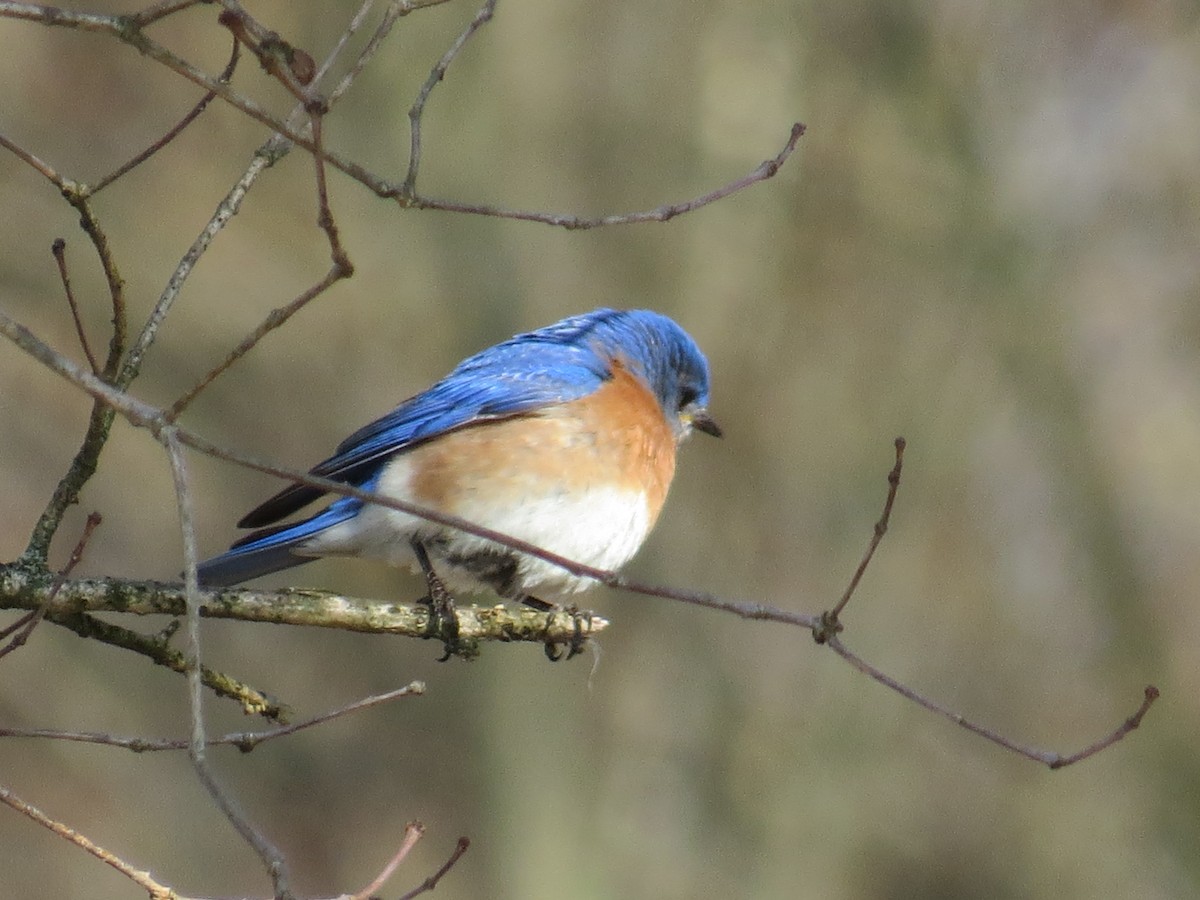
(702, 421)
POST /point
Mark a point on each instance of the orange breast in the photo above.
(616, 437)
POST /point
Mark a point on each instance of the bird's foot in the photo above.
(579, 619)
(443, 617)
(443, 625)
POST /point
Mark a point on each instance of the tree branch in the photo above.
(246, 741)
(137, 876)
(436, 75)
(294, 606)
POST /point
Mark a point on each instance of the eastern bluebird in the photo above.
(564, 437)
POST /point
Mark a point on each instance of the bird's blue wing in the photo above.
(519, 376)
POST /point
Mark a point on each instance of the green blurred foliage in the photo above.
(987, 242)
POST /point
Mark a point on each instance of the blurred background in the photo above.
(987, 242)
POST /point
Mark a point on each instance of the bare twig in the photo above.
(274, 319)
(161, 10)
(83, 465)
(432, 881)
(66, 492)
(141, 878)
(289, 65)
(830, 625)
(1048, 757)
(1054, 761)
(413, 832)
(77, 197)
(270, 855)
(174, 132)
(766, 169)
(59, 249)
(225, 211)
(27, 623)
(396, 9)
(129, 30)
(245, 741)
(351, 29)
(436, 75)
(881, 528)
(342, 267)
(31, 159)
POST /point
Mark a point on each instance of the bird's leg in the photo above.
(578, 618)
(443, 619)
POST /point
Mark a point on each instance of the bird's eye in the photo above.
(687, 396)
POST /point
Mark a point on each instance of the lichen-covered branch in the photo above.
(20, 590)
(157, 648)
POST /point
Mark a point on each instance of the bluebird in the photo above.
(563, 437)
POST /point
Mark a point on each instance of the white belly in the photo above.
(598, 526)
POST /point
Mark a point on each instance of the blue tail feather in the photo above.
(270, 550)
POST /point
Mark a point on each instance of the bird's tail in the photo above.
(271, 549)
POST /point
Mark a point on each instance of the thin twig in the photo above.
(27, 623)
(245, 741)
(395, 10)
(274, 319)
(342, 267)
(296, 71)
(413, 832)
(766, 169)
(75, 195)
(881, 528)
(59, 249)
(436, 75)
(270, 855)
(225, 77)
(83, 464)
(141, 878)
(1149, 695)
(66, 492)
(161, 10)
(226, 210)
(432, 881)
(248, 31)
(1048, 757)
(291, 66)
(31, 159)
(351, 29)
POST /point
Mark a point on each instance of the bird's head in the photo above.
(656, 349)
